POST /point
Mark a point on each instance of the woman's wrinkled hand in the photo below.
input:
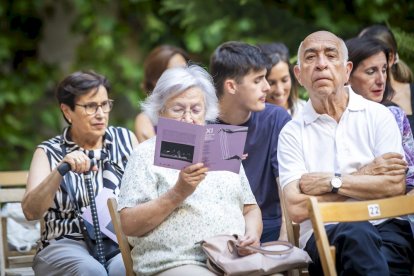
(247, 240)
(79, 162)
(189, 178)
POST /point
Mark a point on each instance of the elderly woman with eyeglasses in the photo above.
(165, 212)
(84, 102)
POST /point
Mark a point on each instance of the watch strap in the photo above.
(334, 189)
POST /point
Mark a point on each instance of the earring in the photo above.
(70, 121)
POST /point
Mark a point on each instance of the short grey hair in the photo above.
(177, 80)
(343, 48)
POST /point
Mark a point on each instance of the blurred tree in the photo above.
(114, 37)
(26, 115)
(287, 21)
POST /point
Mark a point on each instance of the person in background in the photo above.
(85, 105)
(343, 148)
(158, 60)
(369, 78)
(283, 85)
(239, 72)
(167, 212)
(401, 77)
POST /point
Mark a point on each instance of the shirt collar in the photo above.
(355, 103)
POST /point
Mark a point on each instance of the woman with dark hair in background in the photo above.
(158, 60)
(369, 78)
(283, 85)
(401, 76)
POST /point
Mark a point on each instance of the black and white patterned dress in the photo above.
(60, 219)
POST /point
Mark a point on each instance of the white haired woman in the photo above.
(165, 212)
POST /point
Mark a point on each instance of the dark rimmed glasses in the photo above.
(92, 108)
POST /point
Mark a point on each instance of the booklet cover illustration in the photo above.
(179, 144)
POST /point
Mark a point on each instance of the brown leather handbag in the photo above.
(269, 258)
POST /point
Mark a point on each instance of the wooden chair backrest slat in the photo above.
(11, 195)
(292, 230)
(366, 210)
(122, 239)
(13, 178)
(12, 189)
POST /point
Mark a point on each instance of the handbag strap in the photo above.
(262, 249)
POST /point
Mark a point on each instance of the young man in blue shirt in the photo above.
(239, 71)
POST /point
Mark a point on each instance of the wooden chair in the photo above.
(292, 230)
(122, 239)
(321, 213)
(12, 189)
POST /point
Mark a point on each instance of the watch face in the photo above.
(336, 182)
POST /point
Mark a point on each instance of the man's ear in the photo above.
(230, 86)
(348, 67)
(296, 71)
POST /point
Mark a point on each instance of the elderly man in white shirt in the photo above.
(343, 147)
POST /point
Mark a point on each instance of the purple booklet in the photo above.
(219, 147)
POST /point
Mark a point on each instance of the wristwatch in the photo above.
(336, 183)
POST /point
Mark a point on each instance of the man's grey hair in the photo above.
(344, 51)
(177, 80)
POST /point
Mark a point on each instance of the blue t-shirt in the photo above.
(261, 164)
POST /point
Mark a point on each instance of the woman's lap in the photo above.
(71, 257)
(187, 270)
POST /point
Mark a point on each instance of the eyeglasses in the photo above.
(179, 112)
(92, 108)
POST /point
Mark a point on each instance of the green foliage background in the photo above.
(116, 35)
